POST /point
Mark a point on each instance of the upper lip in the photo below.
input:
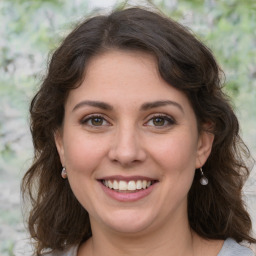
(126, 178)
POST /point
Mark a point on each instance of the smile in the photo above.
(128, 186)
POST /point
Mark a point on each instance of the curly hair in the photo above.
(216, 211)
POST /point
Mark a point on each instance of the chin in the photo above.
(128, 222)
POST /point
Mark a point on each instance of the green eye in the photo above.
(97, 121)
(159, 121)
(94, 121)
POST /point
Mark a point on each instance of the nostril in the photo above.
(126, 151)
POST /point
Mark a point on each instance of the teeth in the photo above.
(132, 185)
(127, 186)
(139, 184)
(110, 184)
(115, 185)
(144, 184)
(122, 185)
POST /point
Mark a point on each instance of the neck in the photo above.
(172, 239)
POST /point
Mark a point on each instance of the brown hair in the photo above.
(215, 211)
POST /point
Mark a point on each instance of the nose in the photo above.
(126, 148)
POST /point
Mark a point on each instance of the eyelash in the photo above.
(85, 120)
(170, 121)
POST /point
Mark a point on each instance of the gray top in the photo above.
(232, 248)
(229, 248)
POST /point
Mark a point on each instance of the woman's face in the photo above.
(130, 144)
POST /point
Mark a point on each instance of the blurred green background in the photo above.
(31, 30)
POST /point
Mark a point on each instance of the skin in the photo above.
(127, 139)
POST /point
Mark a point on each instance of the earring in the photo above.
(203, 180)
(64, 174)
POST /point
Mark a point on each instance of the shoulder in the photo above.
(72, 251)
(232, 248)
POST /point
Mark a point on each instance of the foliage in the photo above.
(29, 30)
(228, 27)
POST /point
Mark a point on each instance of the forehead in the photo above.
(125, 78)
(123, 67)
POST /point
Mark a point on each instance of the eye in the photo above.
(95, 121)
(160, 121)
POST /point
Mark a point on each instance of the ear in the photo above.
(59, 145)
(204, 146)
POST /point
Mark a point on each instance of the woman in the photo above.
(137, 150)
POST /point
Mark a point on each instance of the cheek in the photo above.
(177, 151)
(83, 153)
(83, 156)
(176, 157)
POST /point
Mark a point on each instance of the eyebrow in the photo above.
(98, 104)
(160, 103)
(144, 107)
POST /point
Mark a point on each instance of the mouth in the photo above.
(128, 186)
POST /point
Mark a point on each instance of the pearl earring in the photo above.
(203, 180)
(64, 174)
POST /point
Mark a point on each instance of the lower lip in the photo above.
(129, 196)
